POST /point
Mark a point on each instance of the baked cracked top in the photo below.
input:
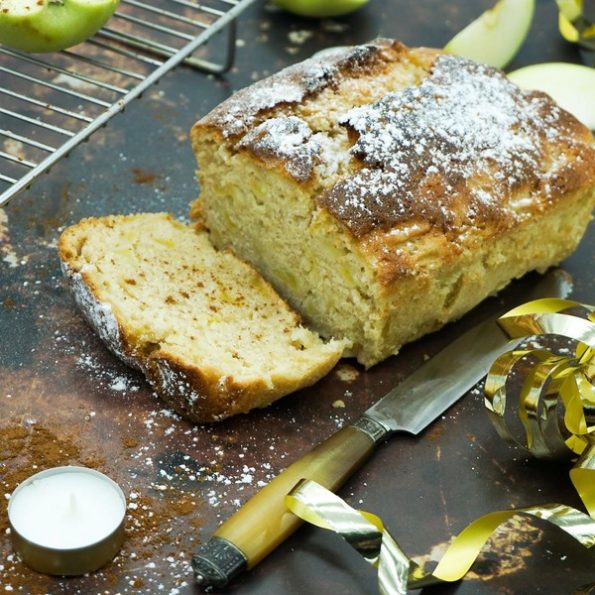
(389, 137)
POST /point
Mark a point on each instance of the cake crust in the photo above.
(380, 178)
(291, 86)
(165, 302)
(451, 153)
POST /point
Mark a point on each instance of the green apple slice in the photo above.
(572, 86)
(51, 25)
(320, 8)
(497, 35)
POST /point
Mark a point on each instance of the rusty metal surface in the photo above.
(64, 399)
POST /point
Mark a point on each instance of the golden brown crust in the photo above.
(453, 152)
(236, 115)
(254, 118)
(199, 394)
(456, 152)
(210, 365)
(363, 197)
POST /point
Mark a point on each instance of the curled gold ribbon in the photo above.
(576, 26)
(553, 382)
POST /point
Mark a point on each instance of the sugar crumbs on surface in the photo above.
(346, 372)
(423, 146)
(105, 376)
(166, 490)
(287, 138)
(290, 85)
(176, 476)
(300, 36)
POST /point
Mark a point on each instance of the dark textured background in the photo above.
(57, 378)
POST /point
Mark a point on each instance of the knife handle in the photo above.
(263, 522)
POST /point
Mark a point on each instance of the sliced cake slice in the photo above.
(211, 335)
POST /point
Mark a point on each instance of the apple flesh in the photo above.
(51, 25)
(320, 8)
(571, 86)
(497, 35)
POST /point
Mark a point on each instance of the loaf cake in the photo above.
(211, 335)
(384, 191)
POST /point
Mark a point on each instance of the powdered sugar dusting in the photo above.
(450, 150)
(290, 142)
(289, 86)
(174, 384)
(241, 113)
(98, 314)
(288, 139)
(332, 151)
(107, 377)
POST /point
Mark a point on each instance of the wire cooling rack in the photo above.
(49, 103)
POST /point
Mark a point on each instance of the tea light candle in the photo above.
(67, 520)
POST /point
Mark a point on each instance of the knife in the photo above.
(263, 522)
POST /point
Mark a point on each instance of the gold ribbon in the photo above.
(574, 25)
(552, 383)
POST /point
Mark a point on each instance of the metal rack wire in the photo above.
(49, 103)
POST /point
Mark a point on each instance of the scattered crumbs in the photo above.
(346, 372)
(338, 420)
(301, 36)
(477, 391)
(142, 176)
(168, 488)
(107, 376)
(331, 26)
(339, 404)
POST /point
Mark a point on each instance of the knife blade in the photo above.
(264, 522)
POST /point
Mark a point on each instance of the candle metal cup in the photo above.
(68, 561)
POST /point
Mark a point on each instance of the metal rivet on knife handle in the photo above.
(217, 562)
(264, 521)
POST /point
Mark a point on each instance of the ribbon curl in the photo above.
(576, 26)
(553, 383)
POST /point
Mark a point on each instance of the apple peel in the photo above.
(320, 8)
(495, 37)
(571, 86)
(51, 25)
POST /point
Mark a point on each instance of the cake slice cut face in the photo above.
(385, 191)
(211, 335)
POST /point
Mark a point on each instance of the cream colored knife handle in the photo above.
(264, 522)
